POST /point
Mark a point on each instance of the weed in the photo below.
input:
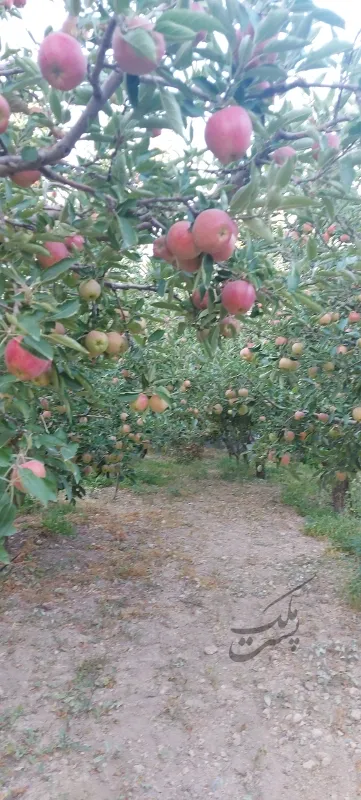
(230, 470)
(55, 520)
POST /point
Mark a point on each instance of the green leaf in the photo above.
(55, 104)
(67, 341)
(4, 555)
(5, 456)
(329, 17)
(7, 517)
(132, 83)
(284, 173)
(68, 451)
(271, 25)
(52, 273)
(244, 196)
(129, 234)
(172, 110)
(174, 32)
(156, 336)
(190, 19)
(295, 201)
(39, 488)
(6, 380)
(29, 153)
(43, 347)
(311, 248)
(259, 228)
(67, 309)
(30, 325)
(142, 42)
(333, 48)
(284, 45)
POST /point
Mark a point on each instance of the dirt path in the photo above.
(115, 676)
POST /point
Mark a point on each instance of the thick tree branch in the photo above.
(105, 44)
(52, 155)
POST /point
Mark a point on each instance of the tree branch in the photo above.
(105, 44)
(52, 155)
(282, 88)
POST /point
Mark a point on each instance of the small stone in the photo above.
(297, 718)
(354, 692)
(237, 739)
(210, 650)
(356, 714)
(59, 590)
(309, 764)
(317, 733)
(138, 768)
(326, 761)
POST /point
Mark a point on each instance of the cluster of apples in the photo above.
(213, 232)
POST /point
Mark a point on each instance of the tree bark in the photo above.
(339, 495)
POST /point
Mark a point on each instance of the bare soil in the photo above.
(115, 676)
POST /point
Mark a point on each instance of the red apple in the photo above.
(188, 266)
(155, 132)
(141, 403)
(130, 59)
(344, 237)
(57, 251)
(228, 133)
(36, 467)
(59, 328)
(117, 343)
(75, 241)
(4, 114)
(212, 230)
(199, 302)
(160, 250)
(354, 316)
(23, 364)
(26, 178)
(180, 241)
(280, 340)
(61, 61)
(282, 154)
(229, 327)
(157, 404)
(238, 296)
(333, 140)
(70, 25)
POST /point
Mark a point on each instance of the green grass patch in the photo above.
(229, 470)
(303, 493)
(55, 520)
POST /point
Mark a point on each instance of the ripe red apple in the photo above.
(322, 417)
(36, 467)
(26, 178)
(126, 429)
(4, 114)
(157, 404)
(19, 3)
(59, 328)
(44, 403)
(141, 403)
(124, 416)
(199, 302)
(303, 435)
(282, 154)
(188, 266)
(127, 57)
(46, 414)
(307, 227)
(228, 133)
(299, 415)
(61, 61)
(23, 364)
(227, 250)
(160, 250)
(155, 132)
(96, 342)
(180, 241)
(238, 296)
(229, 327)
(345, 237)
(57, 251)
(289, 436)
(75, 241)
(280, 340)
(285, 459)
(246, 354)
(332, 229)
(212, 230)
(117, 343)
(333, 140)
(326, 237)
(90, 290)
(354, 316)
(341, 349)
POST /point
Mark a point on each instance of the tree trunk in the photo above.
(339, 494)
